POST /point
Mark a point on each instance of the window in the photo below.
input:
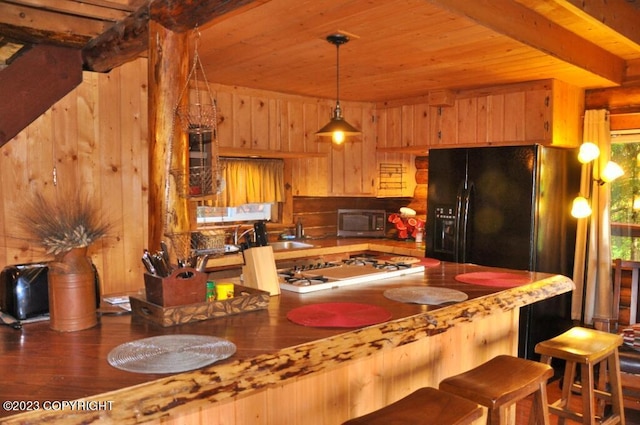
(253, 190)
(247, 212)
(625, 196)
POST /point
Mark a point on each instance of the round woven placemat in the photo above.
(425, 295)
(170, 353)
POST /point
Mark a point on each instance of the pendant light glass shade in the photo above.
(338, 128)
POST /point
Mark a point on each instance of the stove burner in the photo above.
(380, 265)
(305, 280)
(360, 261)
(392, 266)
(308, 267)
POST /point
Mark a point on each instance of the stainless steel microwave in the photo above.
(361, 223)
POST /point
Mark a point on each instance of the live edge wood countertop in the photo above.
(45, 367)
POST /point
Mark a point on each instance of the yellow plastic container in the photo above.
(224, 291)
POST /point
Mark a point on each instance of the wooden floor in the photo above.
(553, 392)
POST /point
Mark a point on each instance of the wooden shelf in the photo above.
(261, 153)
(416, 150)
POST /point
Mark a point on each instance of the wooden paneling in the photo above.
(400, 129)
(95, 139)
(260, 121)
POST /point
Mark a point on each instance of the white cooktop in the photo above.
(346, 275)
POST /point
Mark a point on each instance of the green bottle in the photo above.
(211, 291)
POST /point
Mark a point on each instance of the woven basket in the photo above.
(208, 242)
(198, 181)
(196, 117)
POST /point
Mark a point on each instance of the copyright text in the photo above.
(27, 405)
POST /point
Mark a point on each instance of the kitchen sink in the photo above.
(284, 245)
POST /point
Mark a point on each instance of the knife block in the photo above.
(259, 271)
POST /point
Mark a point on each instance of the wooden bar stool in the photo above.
(500, 383)
(587, 348)
(426, 406)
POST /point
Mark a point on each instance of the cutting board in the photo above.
(345, 272)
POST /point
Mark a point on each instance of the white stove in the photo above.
(330, 275)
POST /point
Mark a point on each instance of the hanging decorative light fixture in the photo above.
(338, 128)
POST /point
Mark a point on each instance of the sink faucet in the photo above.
(201, 262)
(237, 237)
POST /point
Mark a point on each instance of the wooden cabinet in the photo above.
(548, 112)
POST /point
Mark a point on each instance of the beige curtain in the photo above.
(250, 181)
(592, 298)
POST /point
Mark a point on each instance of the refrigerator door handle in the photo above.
(464, 223)
(458, 222)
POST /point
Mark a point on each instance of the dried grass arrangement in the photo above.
(72, 221)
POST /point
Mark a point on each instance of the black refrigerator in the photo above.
(507, 206)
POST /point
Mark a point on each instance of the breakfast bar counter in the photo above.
(282, 372)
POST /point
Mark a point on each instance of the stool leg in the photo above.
(588, 402)
(567, 388)
(539, 407)
(497, 416)
(616, 388)
(603, 380)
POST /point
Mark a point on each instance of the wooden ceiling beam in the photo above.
(618, 17)
(123, 42)
(528, 27)
(185, 15)
(38, 25)
(128, 39)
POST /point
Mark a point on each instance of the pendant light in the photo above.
(337, 128)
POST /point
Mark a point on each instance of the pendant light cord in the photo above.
(338, 74)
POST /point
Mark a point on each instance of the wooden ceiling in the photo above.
(399, 49)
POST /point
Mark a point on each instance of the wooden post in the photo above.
(168, 145)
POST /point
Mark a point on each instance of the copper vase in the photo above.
(72, 292)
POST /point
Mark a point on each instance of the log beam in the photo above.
(128, 39)
(168, 70)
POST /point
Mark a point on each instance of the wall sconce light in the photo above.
(581, 207)
(611, 172)
(588, 153)
(338, 128)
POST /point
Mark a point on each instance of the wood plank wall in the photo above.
(287, 124)
(96, 139)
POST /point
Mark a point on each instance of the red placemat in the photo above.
(502, 280)
(429, 262)
(338, 315)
